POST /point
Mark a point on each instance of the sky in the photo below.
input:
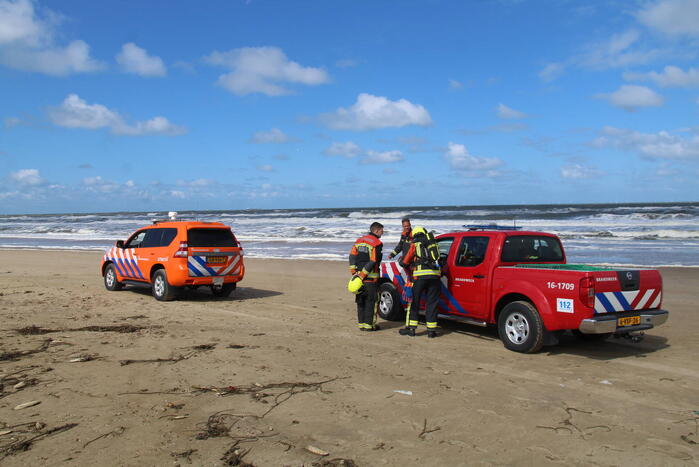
(239, 104)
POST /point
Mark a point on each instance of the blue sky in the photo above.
(138, 106)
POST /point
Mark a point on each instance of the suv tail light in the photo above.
(181, 251)
(587, 291)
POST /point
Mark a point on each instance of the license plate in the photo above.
(628, 321)
(216, 259)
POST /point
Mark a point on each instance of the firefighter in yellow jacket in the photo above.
(423, 260)
(365, 262)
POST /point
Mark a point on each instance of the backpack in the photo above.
(427, 251)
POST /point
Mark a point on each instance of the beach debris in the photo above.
(605, 381)
(234, 456)
(236, 346)
(204, 347)
(20, 385)
(184, 454)
(425, 431)
(120, 328)
(117, 432)
(5, 432)
(401, 391)
(83, 358)
(337, 462)
(22, 444)
(23, 353)
(27, 404)
(316, 451)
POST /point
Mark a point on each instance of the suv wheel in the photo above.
(162, 290)
(520, 327)
(389, 306)
(223, 291)
(110, 279)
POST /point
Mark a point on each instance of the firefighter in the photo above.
(405, 238)
(423, 259)
(364, 262)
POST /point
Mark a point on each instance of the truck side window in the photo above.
(152, 238)
(136, 240)
(471, 251)
(444, 245)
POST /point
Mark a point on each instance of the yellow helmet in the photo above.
(419, 230)
(355, 285)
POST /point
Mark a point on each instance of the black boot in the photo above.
(407, 331)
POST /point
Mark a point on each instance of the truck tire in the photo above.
(224, 291)
(389, 305)
(110, 278)
(162, 290)
(521, 328)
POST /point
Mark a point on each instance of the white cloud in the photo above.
(27, 42)
(460, 159)
(10, 122)
(346, 149)
(617, 51)
(385, 157)
(551, 72)
(578, 171)
(671, 76)
(673, 17)
(265, 168)
(661, 145)
(631, 97)
(134, 59)
(373, 112)
(454, 84)
(27, 177)
(74, 112)
(262, 69)
(275, 135)
(506, 112)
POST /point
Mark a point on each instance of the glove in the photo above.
(391, 255)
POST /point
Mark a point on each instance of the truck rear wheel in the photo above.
(521, 328)
(389, 305)
(110, 279)
(162, 290)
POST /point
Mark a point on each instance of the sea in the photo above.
(641, 235)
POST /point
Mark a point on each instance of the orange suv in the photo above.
(170, 255)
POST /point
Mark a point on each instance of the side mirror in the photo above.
(120, 244)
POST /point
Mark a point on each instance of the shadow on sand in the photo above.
(203, 294)
(608, 349)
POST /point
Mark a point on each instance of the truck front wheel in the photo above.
(520, 327)
(389, 305)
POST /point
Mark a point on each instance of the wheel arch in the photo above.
(525, 291)
(104, 266)
(156, 267)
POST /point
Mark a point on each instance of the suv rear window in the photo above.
(530, 249)
(211, 238)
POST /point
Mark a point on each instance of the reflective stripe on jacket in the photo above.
(415, 259)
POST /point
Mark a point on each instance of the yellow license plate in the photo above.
(628, 321)
(216, 259)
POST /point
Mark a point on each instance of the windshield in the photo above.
(211, 238)
(531, 248)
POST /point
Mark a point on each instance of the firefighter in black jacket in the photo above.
(365, 261)
(405, 238)
(423, 259)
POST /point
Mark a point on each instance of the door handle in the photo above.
(478, 276)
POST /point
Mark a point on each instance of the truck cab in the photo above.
(521, 282)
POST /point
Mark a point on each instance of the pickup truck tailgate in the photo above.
(627, 290)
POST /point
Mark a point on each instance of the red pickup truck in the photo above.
(519, 280)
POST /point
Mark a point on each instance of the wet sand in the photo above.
(122, 379)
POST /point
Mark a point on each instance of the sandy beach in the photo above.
(121, 379)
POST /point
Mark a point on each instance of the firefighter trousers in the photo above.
(430, 287)
(366, 305)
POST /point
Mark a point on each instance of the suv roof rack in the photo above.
(490, 227)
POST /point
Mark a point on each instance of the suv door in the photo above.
(468, 275)
(128, 256)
